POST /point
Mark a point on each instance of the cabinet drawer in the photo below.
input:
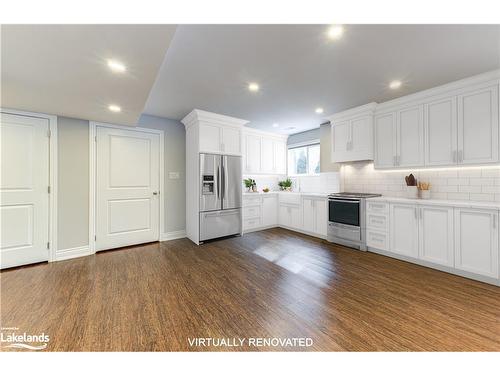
(377, 240)
(378, 222)
(377, 207)
(249, 224)
(252, 211)
(251, 201)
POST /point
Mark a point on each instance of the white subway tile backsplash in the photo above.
(481, 197)
(458, 181)
(470, 173)
(448, 173)
(458, 196)
(482, 181)
(490, 173)
(490, 189)
(460, 184)
(470, 189)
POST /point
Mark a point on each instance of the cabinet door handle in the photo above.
(416, 213)
(460, 156)
(394, 160)
(494, 221)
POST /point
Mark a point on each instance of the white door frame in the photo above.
(52, 173)
(93, 170)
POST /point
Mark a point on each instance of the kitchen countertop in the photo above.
(320, 195)
(247, 194)
(440, 202)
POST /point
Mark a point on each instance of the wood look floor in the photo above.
(273, 283)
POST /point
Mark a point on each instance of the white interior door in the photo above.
(24, 190)
(127, 187)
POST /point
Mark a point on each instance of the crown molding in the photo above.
(349, 113)
(198, 115)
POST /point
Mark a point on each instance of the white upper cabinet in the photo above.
(410, 137)
(436, 234)
(385, 140)
(352, 134)
(478, 126)
(279, 156)
(231, 140)
(263, 153)
(362, 138)
(216, 134)
(210, 138)
(341, 138)
(253, 145)
(267, 155)
(476, 241)
(454, 124)
(441, 132)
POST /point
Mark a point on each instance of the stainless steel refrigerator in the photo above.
(220, 196)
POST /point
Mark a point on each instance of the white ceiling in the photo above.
(61, 69)
(298, 68)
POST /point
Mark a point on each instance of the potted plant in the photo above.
(285, 184)
(250, 184)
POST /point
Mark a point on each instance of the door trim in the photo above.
(93, 125)
(52, 174)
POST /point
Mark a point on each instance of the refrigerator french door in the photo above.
(220, 196)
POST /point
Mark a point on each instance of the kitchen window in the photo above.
(304, 160)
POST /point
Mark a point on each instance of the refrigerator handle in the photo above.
(218, 182)
(223, 182)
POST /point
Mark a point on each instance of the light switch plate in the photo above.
(173, 175)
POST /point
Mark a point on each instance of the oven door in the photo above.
(344, 211)
(344, 221)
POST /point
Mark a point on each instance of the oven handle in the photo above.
(345, 201)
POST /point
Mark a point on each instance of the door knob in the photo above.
(155, 193)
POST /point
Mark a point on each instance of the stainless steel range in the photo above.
(347, 219)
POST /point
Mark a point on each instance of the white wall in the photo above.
(467, 183)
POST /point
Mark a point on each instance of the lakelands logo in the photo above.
(251, 342)
(12, 338)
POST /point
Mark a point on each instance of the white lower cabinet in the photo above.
(270, 210)
(314, 215)
(463, 240)
(476, 241)
(289, 216)
(436, 234)
(404, 229)
(260, 211)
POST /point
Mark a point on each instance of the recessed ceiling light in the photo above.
(335, 31)
(319, 110)
(114, 108)
(275, 125)
(254, 87)
(116, 66)
(291, 128)
(395, 84)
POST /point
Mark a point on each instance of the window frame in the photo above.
(306, 145)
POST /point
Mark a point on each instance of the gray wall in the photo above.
(325, 164)
(306, 136)
(73, 183)
(175, 161)
(73, 177)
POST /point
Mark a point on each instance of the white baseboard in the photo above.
(173, 235)
(74, 252)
